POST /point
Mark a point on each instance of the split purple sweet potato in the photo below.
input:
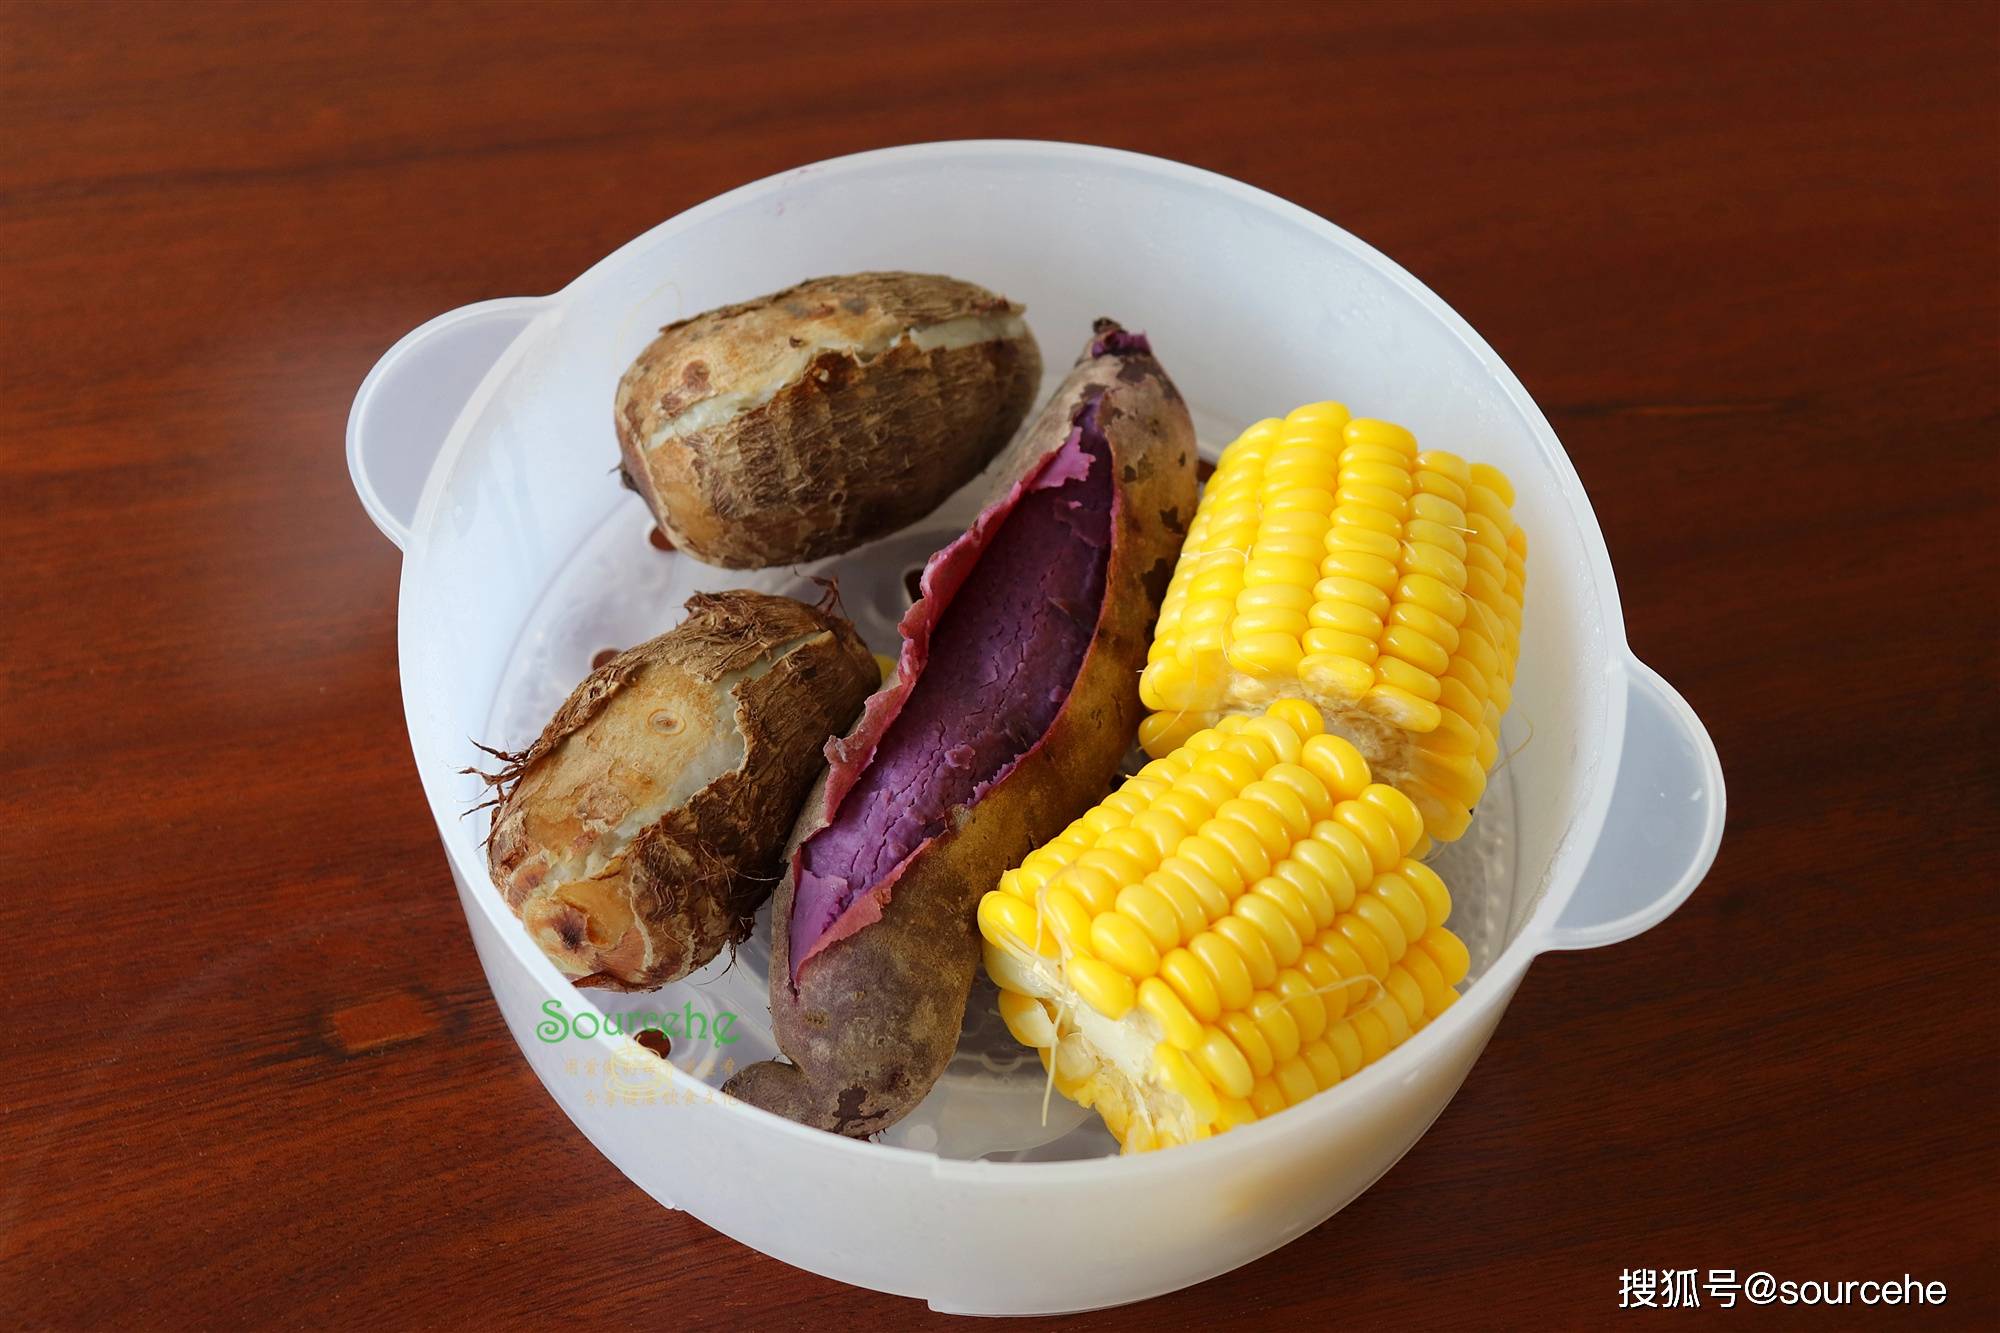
(1015, 698)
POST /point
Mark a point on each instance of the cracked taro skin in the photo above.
(1014, 702)
(1004, 657)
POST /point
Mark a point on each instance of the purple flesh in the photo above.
(1120, 342)
(1002, 660)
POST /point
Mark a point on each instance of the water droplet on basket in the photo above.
(659, 540)
(664, 721)
(603, 656)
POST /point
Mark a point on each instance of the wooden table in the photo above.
(1747, 259)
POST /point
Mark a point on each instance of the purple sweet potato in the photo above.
(1015, 698)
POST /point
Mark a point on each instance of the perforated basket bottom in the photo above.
(619, 589)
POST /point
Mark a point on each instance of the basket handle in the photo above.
(406, 406)
(1664, 826)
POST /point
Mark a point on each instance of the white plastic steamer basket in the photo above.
(482, 445)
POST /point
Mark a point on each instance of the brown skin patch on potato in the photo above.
(846, 449)
(875, 1016)
(685, 886)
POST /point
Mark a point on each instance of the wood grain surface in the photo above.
(1747, 257)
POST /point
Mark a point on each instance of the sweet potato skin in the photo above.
(848, 446)
(636, 916)
(875, 1016)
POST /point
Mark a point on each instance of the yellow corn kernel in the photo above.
(1118, 940)
(1323, 641)
(1193, 983)
(1244, 1034)
(1408, 995)
(1361, 539)
(1437, 898)
(1345, 1046)
(1250, 946)
(1336, 591)
(1323, 1063)
(1153, 912)
(1312, 795)
(1102, 986)
(1235, 1111)
(1276, 1024)
(1065, 917)
(1335, 762)
(1295, 1080)
(1365, 941)
(1430, 980)
(1179, 874)
(1009, 967)
(1094, 886)
(1336, 676)
(1375, 829)
(1238, 838)
(1176, 1020)
(1270, 820)
(1404, 682)
(1397, 808)
(1281, 946)
(1401, 899)
(1027, 1019)
(1190, 912)
(1120, 866)
(1383, 924)
(1403, 708)
(1223, 1064)
(1332, 557)
(1279, 937)
(1180, 1076)
(1227, 971)
(1316, 876)
(1377, 1037)
(1351, 851)
(1448, 952)
(1296, 907)
(1003, 916)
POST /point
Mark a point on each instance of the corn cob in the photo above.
(1333, 561)
(1238, 926)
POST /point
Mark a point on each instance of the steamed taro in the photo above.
(803, 423)
(639, 834)
(1014, 701)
